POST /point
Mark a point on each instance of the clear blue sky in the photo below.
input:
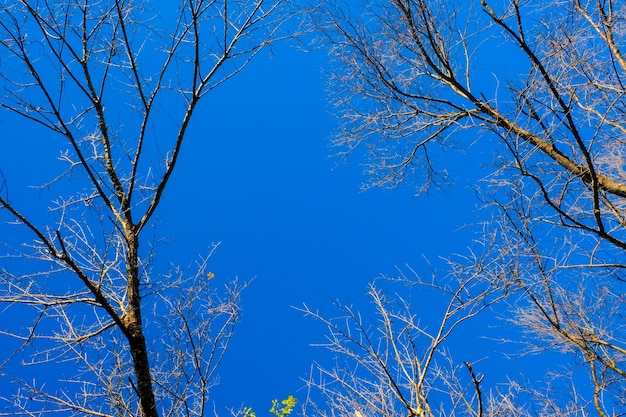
(256, 175)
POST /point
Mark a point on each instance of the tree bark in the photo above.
(134, 329)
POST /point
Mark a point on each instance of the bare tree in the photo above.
(399, 364)
(115, 83)
(541, 85)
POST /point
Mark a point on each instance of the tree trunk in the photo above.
(134, 329)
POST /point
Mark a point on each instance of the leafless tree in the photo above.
(400, 364)
(115, 83)
(539, 84)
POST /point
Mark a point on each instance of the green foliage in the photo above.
(287, 406)
(278, 410)
(248, 412)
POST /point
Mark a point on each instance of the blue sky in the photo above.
(256, 175)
